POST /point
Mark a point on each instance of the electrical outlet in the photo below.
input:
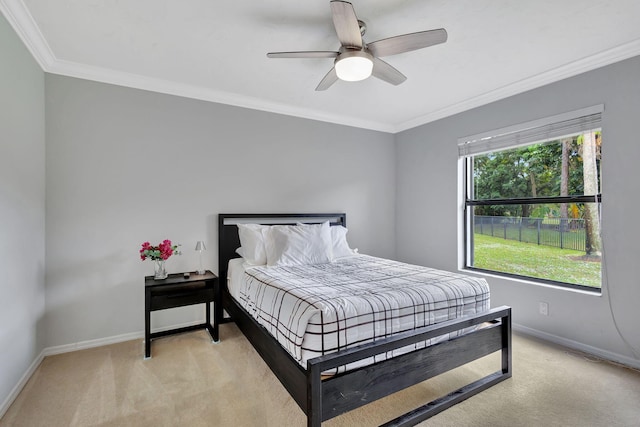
(543, 307)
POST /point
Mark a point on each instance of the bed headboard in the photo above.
(228, 240)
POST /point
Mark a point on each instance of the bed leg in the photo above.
(314, 396)
(506, 345)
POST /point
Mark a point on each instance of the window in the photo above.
(532, 200)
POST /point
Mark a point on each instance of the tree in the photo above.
(590, 174)
(525, 172)
(564, 183)
(500, 175)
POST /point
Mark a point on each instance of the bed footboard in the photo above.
(343, 392)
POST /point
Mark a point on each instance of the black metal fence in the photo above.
(557, 232)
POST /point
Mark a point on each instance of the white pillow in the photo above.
(252, 244)
(298, 245)
(340, 247)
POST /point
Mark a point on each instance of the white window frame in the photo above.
(536, 131)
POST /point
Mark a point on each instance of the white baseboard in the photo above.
(20, 385)
(81, 345)
(603, 354)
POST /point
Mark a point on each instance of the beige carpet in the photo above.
(191, 382)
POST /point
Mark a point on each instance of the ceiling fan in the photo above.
(357, 60)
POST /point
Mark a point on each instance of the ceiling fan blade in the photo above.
(328, 80)
(303, 54)
(407, 42)
(346, 24)
(386, 72)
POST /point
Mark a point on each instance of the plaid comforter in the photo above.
(318, 309)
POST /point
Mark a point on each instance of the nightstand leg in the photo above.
(217, 311)
(147, 324)
(212, 330)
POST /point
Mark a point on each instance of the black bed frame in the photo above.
(322, 398)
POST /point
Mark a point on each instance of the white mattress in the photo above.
(320, 309)
(235, 272)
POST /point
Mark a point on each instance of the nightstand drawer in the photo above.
(180, 298)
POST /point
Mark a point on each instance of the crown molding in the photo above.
(23, 23)
(620, 53)
(120, 78)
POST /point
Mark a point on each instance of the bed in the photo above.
(354, 383)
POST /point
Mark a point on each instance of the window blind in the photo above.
(541, 130)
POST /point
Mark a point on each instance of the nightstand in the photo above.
(177, 290)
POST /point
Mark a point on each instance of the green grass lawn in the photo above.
(528, 259)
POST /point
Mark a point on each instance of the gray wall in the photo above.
(125, 166)
(22, 214)
(428, 205)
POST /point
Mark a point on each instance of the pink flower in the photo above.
(163, 251)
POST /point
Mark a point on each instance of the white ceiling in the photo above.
(216, 51)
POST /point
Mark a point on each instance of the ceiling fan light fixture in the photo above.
(353, 66)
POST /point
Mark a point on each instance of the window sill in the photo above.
(584, 290)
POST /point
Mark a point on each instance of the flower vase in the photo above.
(160, 272)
